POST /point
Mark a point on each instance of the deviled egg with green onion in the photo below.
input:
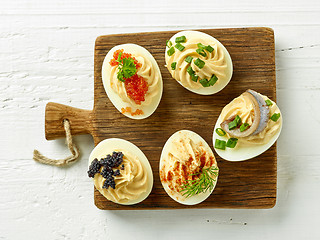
(248, 126)
(198, 61)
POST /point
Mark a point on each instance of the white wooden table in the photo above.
(46, 54)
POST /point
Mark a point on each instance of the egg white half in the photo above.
(243, 153)
(107, 146)
(114, 97)
(196, 199)
(219, 85)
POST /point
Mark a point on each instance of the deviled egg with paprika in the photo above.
(132, 80)
(188, 168)
(248, 126)
(198, 61)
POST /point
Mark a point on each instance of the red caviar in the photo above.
(129, 110)
(136, 86)
(114, 62)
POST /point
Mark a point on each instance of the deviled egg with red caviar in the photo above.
(132, 80)
(248, 126)
(188, 169)
(120, 171)
(199, 62)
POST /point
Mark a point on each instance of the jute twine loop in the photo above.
(37, 156)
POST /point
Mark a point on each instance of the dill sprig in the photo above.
(205, 182)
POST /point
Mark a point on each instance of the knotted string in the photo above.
(37, 156)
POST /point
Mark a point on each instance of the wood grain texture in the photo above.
(248, 184)
(80, 120)
(47, 55)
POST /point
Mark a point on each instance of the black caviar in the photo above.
(109, 162)
(116, 172)
(109, 182)
(94, 168)
(107, 172)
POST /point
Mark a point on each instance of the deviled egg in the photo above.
(120, 171)
(132, 80)
(188, 168)
(248, 126)
(198, 61)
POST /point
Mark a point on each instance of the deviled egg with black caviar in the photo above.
(188, 168)
(132, 80)
(199, 62)
(120, 171)
(248, 126)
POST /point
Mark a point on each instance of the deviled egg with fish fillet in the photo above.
(132, 80)
(120, 171)
(188, 168)
(199, 62)
(248, 126)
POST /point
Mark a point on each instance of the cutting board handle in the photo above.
(80, 120)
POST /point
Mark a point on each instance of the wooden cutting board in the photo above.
(247, 184)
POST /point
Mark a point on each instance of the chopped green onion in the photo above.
(213, 80)
(234, 123)
(209, 49)
(199, 63)
(194, 78)
(275, 117)
(237, 120)
(204, 82)
(201, 49)
(201, 52)
(171, 51)
(173, 65)
(200, 45)
(220, 132)
(244, 127)
(179, 46)
(189, 59)
(220, 144)
(190, 71)
(268, 102)
(181, 39)
(169, 43)
(232, 142)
